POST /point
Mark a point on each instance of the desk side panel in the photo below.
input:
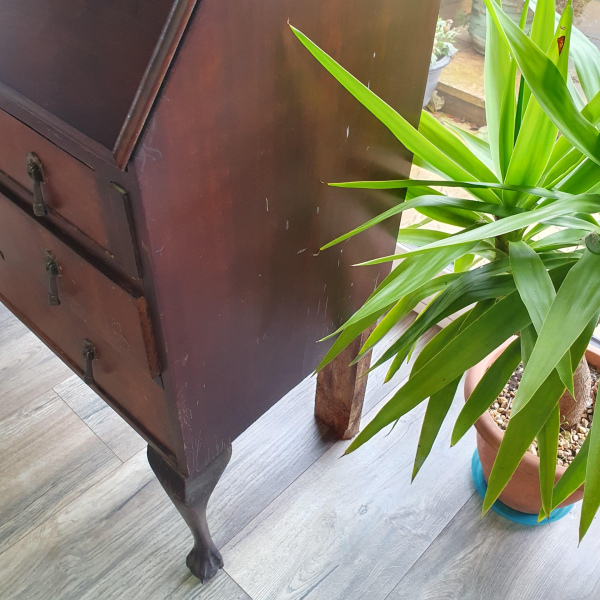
(231, 165)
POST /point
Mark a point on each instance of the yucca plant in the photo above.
(526, 260)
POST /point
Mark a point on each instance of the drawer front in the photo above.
(74, 307)
(70, 190)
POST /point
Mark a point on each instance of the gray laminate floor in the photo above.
(82, 517)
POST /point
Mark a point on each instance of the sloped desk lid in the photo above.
(90, 67)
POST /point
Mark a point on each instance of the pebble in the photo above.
(533, 449)
(569, 442)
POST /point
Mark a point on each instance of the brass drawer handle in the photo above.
(89, 353)
(53, 271)
(35, 170)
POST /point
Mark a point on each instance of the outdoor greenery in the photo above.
(526, 258)
(442, 41)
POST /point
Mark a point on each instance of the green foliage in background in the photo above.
(526, 259)
(443, 40)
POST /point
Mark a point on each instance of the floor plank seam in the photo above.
(224, 569)
(109, 474)
(14, 412)
(392, 391)
(95, 434)
(450, 521)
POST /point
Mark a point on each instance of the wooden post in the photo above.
(341, 390)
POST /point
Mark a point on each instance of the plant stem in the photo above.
(501, 243)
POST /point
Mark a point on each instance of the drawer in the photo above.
(74, 307)
(72, 193)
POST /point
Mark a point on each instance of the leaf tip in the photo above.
(455, 436)
(487, 505)
(584, 525)
(416, 468)
(541, 515)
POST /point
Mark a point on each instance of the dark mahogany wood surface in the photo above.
(115, 314)
(81, 60)
(92, 308)
(231, 165)
(73, 192)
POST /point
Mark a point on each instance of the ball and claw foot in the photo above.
(190, 496)
(204, 563)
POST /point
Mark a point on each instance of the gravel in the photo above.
(569, 442)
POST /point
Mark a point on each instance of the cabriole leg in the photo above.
(190, 497)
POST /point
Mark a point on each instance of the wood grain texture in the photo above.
(70, 189)
(50, 457)
(27, 367)
(85, 293)
(122, 534)
(351, 528)
(235, 206)
(341, 389)
(153, 78)
(81, 60)
(287, 440)
(121, 259)
(191, 496)
(308, 525)
(120, 539)
(495, 559)
(222, 587)
(100, 418)
(93, 310)
(125, 534)
(14, 336)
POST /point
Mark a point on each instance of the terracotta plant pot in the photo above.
(523, 491)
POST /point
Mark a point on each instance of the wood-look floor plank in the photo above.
(285, 441)
(120, 539)
(495, 559)
(124, 533)
(49, 457)
(12, 331)
(99, 546)
(351, 528)
(27, 367)
(222, 587)
(100, 418)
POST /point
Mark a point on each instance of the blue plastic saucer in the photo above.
(506, 511)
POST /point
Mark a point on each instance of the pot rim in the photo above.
(440, 64)
(487, 427)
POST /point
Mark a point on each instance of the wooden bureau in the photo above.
(162, 205)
